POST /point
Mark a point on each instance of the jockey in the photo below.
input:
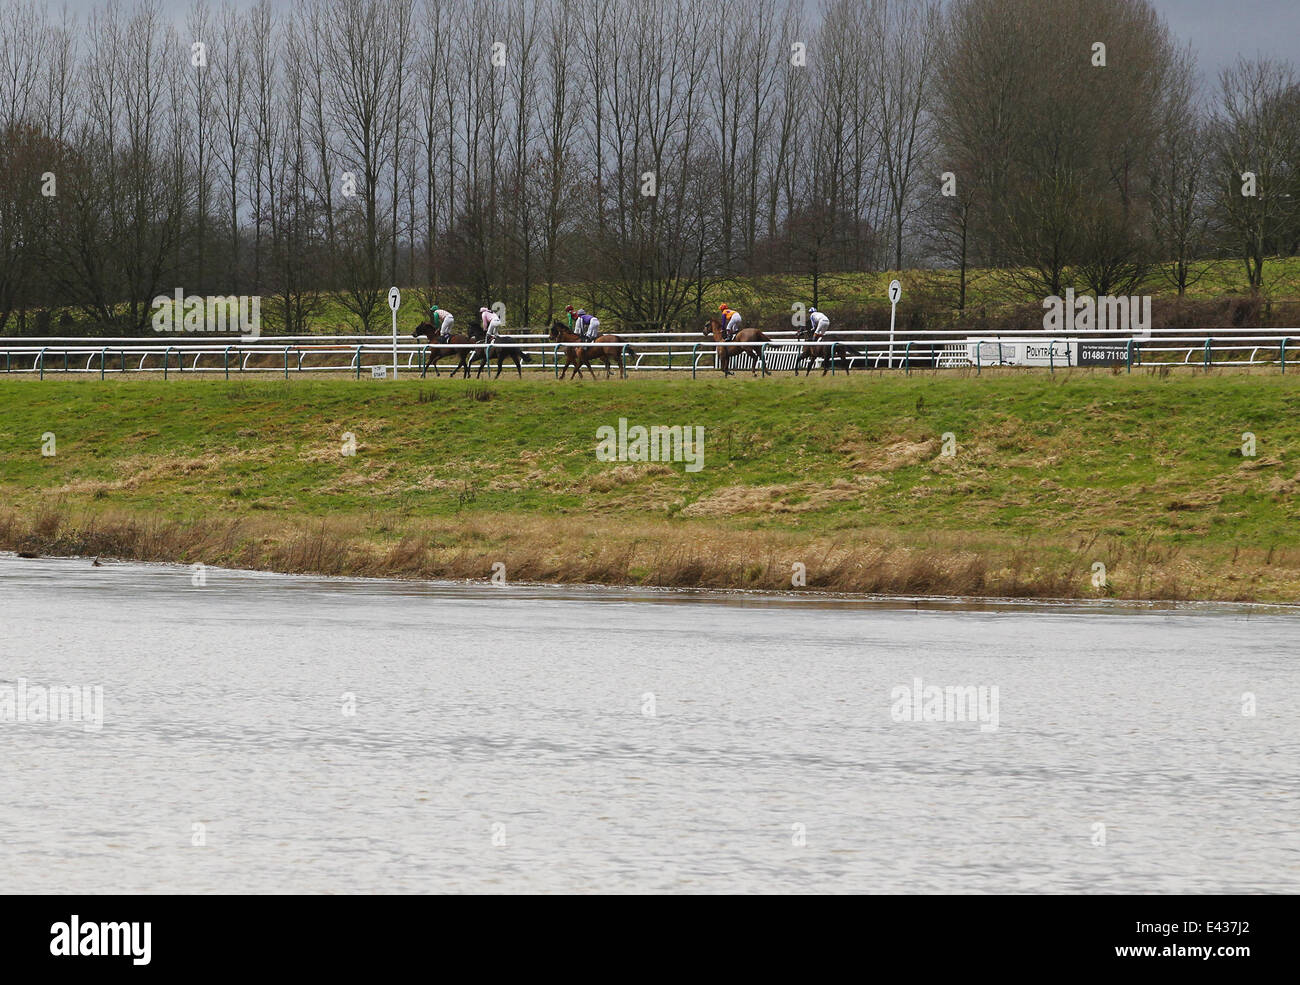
(491, 325)
(587, 326)
(818, 321)
(730, 322)
(570, 314)
(446, 320)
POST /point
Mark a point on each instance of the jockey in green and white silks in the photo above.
(445, 321)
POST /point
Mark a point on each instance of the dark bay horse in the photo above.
(606, 348)
(822, 351)
(434, 353)
(713, 330)
(517, 356)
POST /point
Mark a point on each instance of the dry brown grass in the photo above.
(664, 553)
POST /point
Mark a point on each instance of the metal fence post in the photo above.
(1208, 340)
(833, 344)
(1284, 342)
(103, 354)
(694, 358)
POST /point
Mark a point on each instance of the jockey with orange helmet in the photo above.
(730, 321)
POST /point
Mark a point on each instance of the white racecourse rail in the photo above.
(658, 352)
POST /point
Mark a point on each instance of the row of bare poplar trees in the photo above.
(634, 151)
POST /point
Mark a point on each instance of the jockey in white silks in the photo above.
(818, 321)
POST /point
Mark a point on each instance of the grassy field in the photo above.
(1049, 478)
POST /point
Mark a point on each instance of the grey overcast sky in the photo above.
(1218, 30)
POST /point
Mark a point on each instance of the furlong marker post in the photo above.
(895, 292)
(394, 302)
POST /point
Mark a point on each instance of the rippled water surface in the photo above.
(554, 740)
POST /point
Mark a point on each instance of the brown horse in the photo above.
(606, 348)
(822, 351)
(434, 353)
(714, 330)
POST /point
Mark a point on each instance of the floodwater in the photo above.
(264, 733)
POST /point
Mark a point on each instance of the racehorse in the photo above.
(714, 330)
(605, 348)
(433, 353)
(517, 356)
(822, 351)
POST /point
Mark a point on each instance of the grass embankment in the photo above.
(1051, 476)
(852, 298)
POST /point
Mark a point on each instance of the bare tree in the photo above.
(1257, 153)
